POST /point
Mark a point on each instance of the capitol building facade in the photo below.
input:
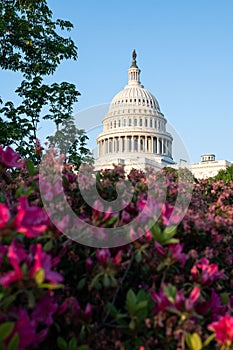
(134, 132)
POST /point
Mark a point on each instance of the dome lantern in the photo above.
(134, 71)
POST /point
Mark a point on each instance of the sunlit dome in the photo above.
(134, 94)
(134, 129)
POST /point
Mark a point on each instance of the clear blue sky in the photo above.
(185, 53)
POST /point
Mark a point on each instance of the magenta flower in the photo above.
(162, 301)
(4, 215)
(30, 220)
(25, 328)
(16, 254)
(103, 255)
(191, 301)
(176, 253)
(223, 329)
(118, 257)
(160, 249)
(88, 312)
(89, 264)
(9, 158)
(43, 261)
(167, 217)
(45, 309)
(204, 272)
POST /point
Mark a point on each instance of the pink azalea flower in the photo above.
(103, 255)
(89, 264)
(43, 261)
(204, 272)
(194, 295)
(45, 309)
(30, 220)
(176, 252)
(26, 329)
(162, 301)
(16, 254)
(167, 217)
(9, 158)
(223, 329)
(117, 258)
(4, 215)
(160, 249)
(88, 312)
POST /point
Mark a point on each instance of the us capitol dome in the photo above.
(134, 129)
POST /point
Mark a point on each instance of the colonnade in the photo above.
(134, 143)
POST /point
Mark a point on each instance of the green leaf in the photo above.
(225, 298)
(72, 344)
(30, 167)
(193, 341)
(81, 283)
(61, 343)
(170, 291)
(208, 340)
(48, 246)
(138, 256)
(141, 305)
(14, 342)
(39, 276)
(106, 281)
(51, 286)
(6, 329)
(83, 347)
(131, 300)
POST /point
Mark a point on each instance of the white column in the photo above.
(146, 149)
(139, 143)
(132, 145)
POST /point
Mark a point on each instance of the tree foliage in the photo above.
(225, 175)
(30, 44)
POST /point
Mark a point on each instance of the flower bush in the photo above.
(169, 289)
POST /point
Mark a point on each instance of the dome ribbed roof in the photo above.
(134, 96)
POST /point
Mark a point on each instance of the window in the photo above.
(151, 123)
(146, 122)
(140, 122)
(135, 122)
(114, 124)
(124, 122)
(155, 124)
(119, 123)
(130, 122)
